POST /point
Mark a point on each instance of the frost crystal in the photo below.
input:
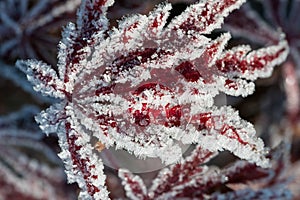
(146, 85)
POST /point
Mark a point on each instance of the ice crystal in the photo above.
(146, 85)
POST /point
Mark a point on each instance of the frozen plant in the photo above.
(147, 86)
(191, 179)
(274, 15)
(31, 29)
(29, 169)
(28, 26)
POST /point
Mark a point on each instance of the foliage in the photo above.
(190, 179)
(29, 169)
(31, 29)
(147, 85)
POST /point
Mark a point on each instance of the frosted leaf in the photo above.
(49, 119)
(252, 65)
(190, 179)
(172, 181)
(95, 11)
(249, 66)
(145, 88)
(43, 77)
(205, 16)
(133, 185)
(29, 169)
(8, 72)
(274, 18)
(260, 183)
(175, 180)
(82, 164)
(27, 27)
(221, 128)
(77, 41)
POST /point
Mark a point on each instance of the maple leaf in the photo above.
(191, 179)
(175, 181)
(276, 14)
(146, 85)
(254, 182)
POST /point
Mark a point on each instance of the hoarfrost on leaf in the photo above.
(29, 169)
(145, 86)
(193, 179)
(274, 15)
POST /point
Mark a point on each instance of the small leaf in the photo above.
(82, 164)
(43, 78)
(172, 179)
(205, 16)
(133, 185)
